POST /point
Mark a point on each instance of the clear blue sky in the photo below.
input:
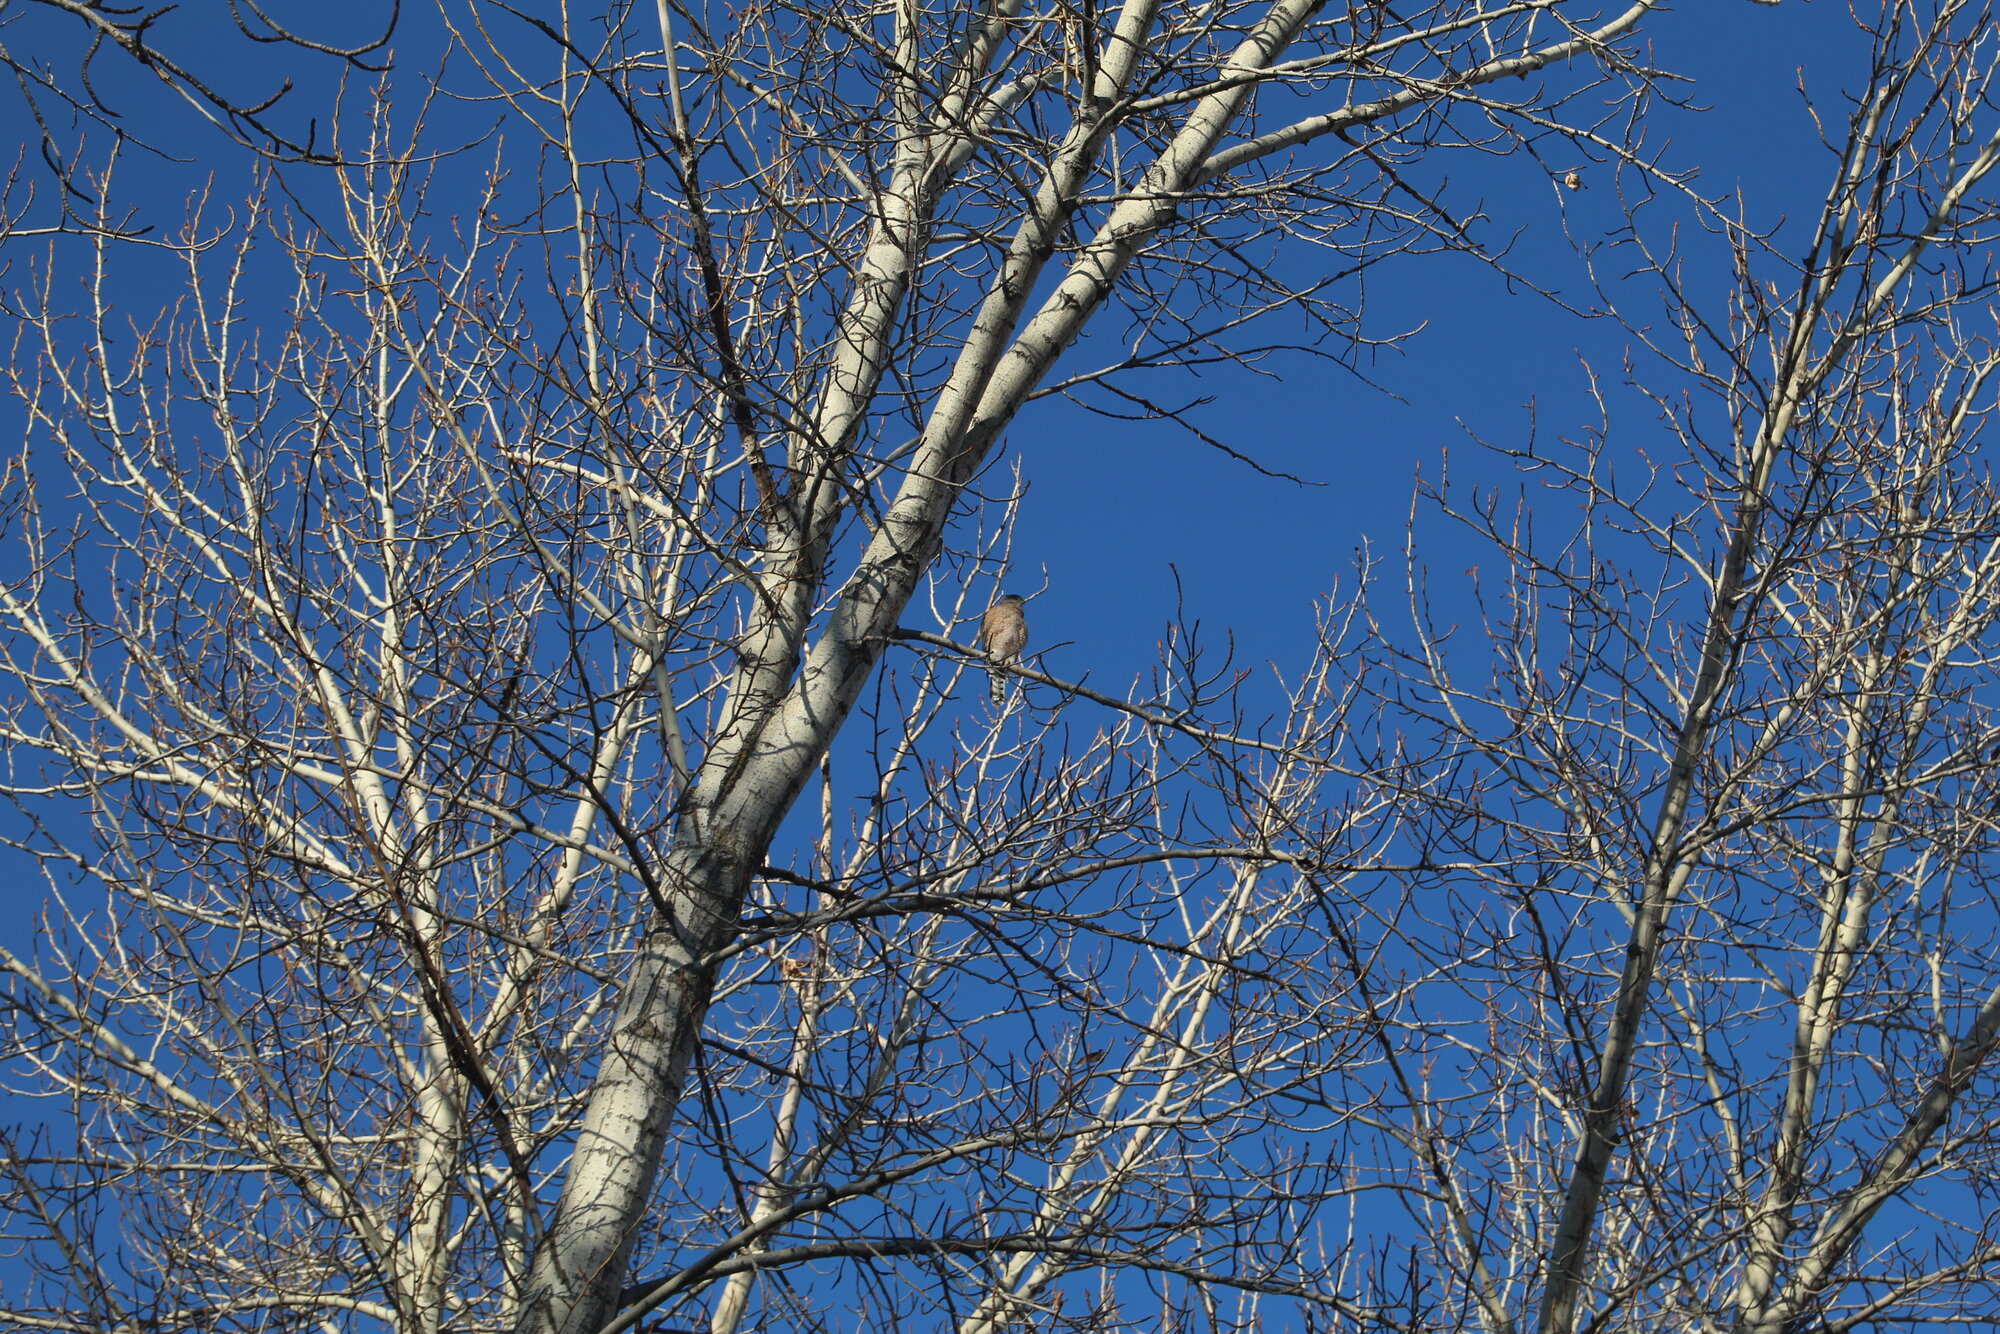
(1113, 506)
(1115, 509)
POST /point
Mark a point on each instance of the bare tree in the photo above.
(1730, 770)
(439, 611)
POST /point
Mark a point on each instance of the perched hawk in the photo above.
(1003, 632)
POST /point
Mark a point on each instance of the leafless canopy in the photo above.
(427, 629)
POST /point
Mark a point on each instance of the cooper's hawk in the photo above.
(1003, 632)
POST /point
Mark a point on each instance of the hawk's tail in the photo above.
(998, 681)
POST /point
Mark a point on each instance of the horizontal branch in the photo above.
(1173, 722)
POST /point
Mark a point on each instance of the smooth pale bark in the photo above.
(1892, 1170)
(785, 708)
